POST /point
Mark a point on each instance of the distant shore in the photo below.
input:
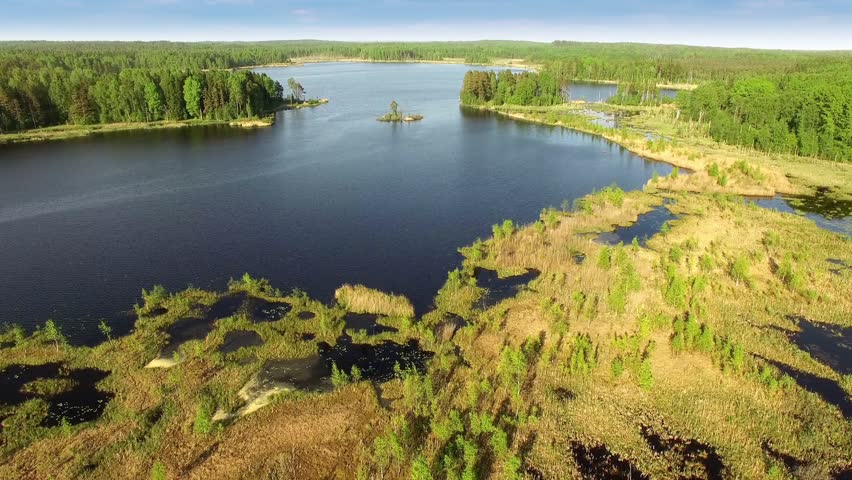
(301, 61)
(501, 62)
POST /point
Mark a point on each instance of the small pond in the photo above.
(376, 362)
(80, 402)
(829, 344)
(367, 322)
(645, 227)
(599, 463)
(499, 289)
(828, 214)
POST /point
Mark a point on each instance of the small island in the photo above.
(394, 115)
(297, 97)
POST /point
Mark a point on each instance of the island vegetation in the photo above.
(394, 115)
(677, 356)
(297, 98)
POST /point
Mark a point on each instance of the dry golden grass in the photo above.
(360, 299)
(312, 438)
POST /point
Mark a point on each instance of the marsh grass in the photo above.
(360, 299)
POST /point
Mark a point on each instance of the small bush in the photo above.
(617, 367)
(676, 254)
(771, 238)
(713, 169)
(789, 275)
(505, 230)
(339, 377)
(204, 411)
(676, 288)
(740, 270)
(158, 471)
(605, 258)
(584, 355)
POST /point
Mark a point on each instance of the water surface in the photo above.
(325, 197)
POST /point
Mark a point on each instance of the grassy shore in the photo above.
(64, 132)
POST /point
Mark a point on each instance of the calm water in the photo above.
(601, 92)
(325, 197)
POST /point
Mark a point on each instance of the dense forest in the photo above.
(506, 87)
(808, 113)
(589, 61)
(54, 96)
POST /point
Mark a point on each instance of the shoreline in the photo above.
(67, 132)
(508, 63)
(785, 182)
(302, 61)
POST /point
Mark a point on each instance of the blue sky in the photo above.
(805, 24)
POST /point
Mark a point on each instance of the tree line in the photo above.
(55, 96)
(506, 87)
(543, 88)
(575, 60)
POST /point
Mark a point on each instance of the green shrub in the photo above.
(645, 376)
(339, 377)
(676, 288)
(617, 367)
(790, 276)
(675, 173)
(740, 270)
(584, 356)
(617, 298)
(771, 238)
(713, 169)
(706, 263)
(676, 254)
(504, 230)
(512, 468)
(158, 471)
(605, 258)
(204, 411)
(512, 369)
(355, 374)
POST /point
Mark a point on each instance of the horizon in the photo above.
(378, 42)
(806, 25)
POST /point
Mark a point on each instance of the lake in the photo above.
(325, 197)
(601, 92)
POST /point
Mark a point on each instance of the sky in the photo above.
(783, 24)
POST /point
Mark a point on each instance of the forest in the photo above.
(806, 113)
(46, 97)
(46, 83)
